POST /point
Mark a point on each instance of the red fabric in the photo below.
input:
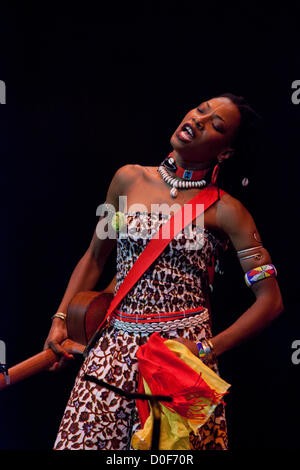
(166, 374)
(157, 244)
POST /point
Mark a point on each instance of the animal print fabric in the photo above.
(98, 419)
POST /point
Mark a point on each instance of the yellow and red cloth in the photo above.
(167, 367)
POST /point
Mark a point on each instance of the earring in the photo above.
(215, 173)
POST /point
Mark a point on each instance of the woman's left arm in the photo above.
(235, 220)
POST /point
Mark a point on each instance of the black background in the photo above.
(92, 88)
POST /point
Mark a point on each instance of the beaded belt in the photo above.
(136, 323)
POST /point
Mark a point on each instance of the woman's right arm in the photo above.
(89, 268)
(84, 278)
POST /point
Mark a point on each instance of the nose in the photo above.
(201, 120)
(199, 123)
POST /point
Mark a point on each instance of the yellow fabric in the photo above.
(174, 429)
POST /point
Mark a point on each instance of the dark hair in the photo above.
(247, 140)
(240, 166)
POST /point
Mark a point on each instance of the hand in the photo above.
(57, 334)
(191, 345)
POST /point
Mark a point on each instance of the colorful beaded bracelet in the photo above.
(204, 347)
(259, 273)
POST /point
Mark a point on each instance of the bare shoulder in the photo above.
(123, 178)
(232, 215)
(128, 173)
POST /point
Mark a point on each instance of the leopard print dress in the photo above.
(96, 418)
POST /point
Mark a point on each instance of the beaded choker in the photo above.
(190, 178)
(190, 175)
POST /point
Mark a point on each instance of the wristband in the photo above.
(205, 347)
(259, 273)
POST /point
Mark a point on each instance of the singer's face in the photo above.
(207, 129)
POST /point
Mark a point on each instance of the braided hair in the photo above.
(237, 172)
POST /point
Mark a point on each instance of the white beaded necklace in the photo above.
(179, 183)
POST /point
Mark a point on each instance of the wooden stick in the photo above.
(38, 363)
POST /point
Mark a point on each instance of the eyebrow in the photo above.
(217, 116)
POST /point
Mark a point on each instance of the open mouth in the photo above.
(186, 133)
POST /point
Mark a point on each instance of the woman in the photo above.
(177, 281)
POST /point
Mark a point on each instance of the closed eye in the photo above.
(217, 128)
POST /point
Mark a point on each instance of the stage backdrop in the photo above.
(91, 89)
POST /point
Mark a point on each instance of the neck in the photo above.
(188, 164)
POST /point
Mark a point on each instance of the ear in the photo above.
(225, 154)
